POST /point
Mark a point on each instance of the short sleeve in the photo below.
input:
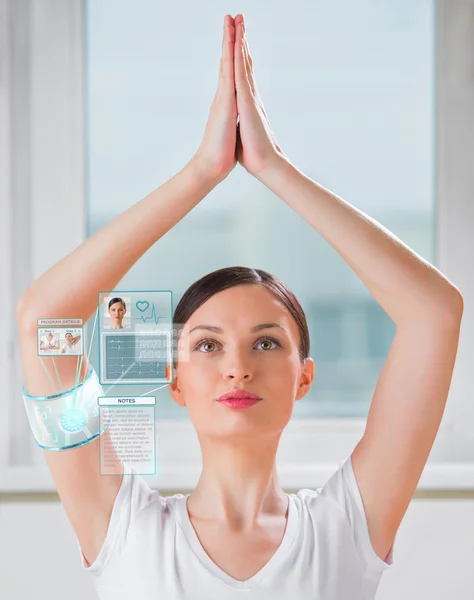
(342, 487)
(133, 495)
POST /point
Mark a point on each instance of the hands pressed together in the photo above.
(251, 141)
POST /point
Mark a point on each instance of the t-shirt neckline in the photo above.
(266, 571)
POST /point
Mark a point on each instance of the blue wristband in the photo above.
(69, 419)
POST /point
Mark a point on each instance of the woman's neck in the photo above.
(239, 482)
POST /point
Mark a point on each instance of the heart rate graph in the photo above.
(135, 358)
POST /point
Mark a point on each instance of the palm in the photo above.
(225, 134)
(252, 154)
(238, 147)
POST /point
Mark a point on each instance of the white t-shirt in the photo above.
(71, 349)
(49, 344)
(151, 550)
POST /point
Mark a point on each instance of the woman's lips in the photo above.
(239, 402)
(239, 399)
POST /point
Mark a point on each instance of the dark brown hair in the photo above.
(115, 300)
(228, 277)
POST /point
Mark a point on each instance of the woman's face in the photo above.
(68, 337)
(117, 312)
(265, 362)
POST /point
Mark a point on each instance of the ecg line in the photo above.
(153, 316)
(123, 375)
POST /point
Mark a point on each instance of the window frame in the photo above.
(310, 449)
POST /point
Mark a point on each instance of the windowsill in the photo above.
(436, 476)
(308, 454)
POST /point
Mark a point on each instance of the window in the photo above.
(364, 111)
(367, 124)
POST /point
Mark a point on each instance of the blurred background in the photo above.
(102, 101)
(349, 92)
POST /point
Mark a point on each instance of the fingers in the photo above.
(247, 56)
(248, 66)
(247, 62)
(227, 59)
(242, 77)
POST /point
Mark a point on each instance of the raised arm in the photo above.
(70, 289)
(411, 393)
(407, 286)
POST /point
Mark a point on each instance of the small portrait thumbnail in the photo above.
(71, 342)
(117, 312)
(48, 341)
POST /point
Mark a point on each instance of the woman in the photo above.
(246, 335)
(49, 342)
(72, 345)
(117, 310)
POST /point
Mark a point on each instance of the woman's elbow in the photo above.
(26, 319)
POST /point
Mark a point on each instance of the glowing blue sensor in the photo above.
(72, 420)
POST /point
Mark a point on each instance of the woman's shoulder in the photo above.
(141, 493)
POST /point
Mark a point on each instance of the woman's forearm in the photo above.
(69, 288)
(406, 286)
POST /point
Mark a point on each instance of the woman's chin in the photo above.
(238, 426)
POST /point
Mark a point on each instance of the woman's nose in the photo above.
(238, 367)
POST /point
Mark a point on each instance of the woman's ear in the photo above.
(306, 379)
(173, 387)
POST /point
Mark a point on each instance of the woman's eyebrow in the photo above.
(253, 329)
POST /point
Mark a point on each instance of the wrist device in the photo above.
(69, 419)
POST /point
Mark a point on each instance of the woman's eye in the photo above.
(266, 341)
(207, 344)
(270, 341)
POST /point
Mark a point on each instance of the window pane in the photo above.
(350, 100)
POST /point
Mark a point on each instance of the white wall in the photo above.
(433, 554)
